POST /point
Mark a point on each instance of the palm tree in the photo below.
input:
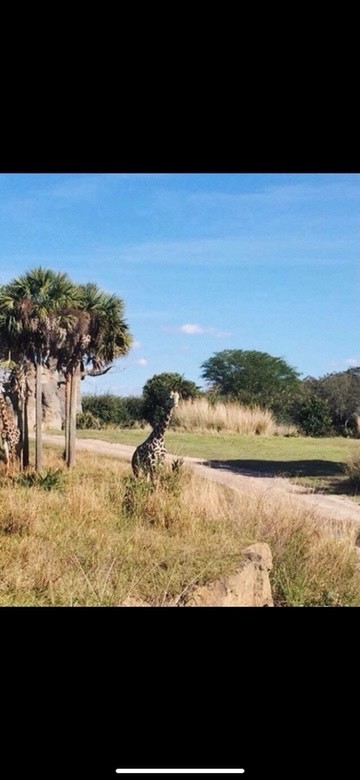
(97, 335)
(14, 369)
(33, 313)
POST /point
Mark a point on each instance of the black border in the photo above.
(313, 130)
(91, 689)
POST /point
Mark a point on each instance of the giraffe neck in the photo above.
(161, 427)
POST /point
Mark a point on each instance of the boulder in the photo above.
(248, 587)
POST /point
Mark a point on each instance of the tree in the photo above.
(341, 391)
(251, 377)
(43, 314)
(97, 334)
(312, 415)
(156, 393)
(33, 317)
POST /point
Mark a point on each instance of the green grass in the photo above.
(230, 445)
(317, 463)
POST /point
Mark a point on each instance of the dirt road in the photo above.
(330, 507)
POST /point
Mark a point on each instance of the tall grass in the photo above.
(103, 537)
(352, 469)
(200, 415)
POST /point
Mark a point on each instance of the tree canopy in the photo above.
(43, 315)
(341, 391)
(33, 324)
(251, 377)
(156, 391)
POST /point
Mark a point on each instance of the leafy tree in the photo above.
(312, 415)
(156, 391)
(33, 317)
(44, 315)
(96, 336)
(341, 391)
(251, 377)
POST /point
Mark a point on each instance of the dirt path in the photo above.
(330, 507)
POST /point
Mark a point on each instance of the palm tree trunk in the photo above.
(20, 424)
(25, 448)
(38, 439)
(67, 416)
(72, 428)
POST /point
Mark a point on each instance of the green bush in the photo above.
(108, 409)
(312, 415)
(341, 391)
(52, 479)
(87, 420)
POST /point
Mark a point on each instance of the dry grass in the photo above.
(352, 469)
(200, 415)
(103, 537)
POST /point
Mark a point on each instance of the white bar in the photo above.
(179, 771)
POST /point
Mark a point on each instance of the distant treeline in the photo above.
(328, 406)
(100, 411)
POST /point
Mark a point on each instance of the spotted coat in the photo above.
(152, 451)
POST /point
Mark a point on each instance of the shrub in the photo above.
(121, 411)
(341, 390)
(87, 420)
(52, 479)
(312, 416)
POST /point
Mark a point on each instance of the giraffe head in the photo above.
(174, 398)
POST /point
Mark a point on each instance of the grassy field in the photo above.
(318, 463)
(97, 536)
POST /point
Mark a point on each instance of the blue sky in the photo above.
(203, 262)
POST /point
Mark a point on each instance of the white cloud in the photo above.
(191, 329)
(141, 362)
(352, 362)
(194, 329)
(136, 345)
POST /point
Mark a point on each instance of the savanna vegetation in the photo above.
(248, 392)
(322, 465)
(97, 536)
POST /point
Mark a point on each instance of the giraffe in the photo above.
(151, 452)
(10, 434)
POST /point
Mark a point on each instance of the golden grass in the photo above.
(105, 537)
(352, 468)
(200, 415)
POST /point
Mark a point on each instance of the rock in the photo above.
(53, 398)
(248, 587)
(52, 403)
